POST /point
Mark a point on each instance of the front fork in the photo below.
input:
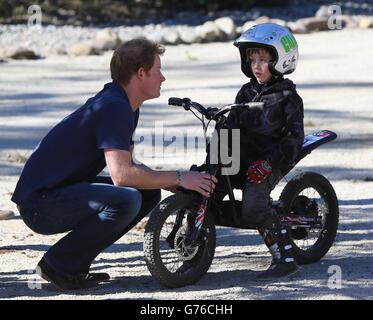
(198, 222)
(201, 214)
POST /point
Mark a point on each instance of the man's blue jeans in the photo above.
(96, 213)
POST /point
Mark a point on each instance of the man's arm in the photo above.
(136, 161)
(124, 172)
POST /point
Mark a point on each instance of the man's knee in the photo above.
(127, 202)
(133, 201)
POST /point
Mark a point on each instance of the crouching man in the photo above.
(59, 189)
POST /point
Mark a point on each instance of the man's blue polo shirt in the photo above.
(73, 151)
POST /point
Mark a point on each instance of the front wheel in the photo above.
(171, 260)
(311, 194)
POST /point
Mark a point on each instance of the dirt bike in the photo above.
(180, 236)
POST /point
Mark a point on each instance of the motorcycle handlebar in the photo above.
(210, 113)
(173, 101)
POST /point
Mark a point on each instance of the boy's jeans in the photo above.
(96, 213)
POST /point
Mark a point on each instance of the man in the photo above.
(59, 189)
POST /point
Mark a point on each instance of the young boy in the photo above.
(271, 137)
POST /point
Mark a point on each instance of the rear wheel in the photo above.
(170, 259)
(311, 194)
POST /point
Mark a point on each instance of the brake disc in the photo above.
(306, 206)
(184, 252)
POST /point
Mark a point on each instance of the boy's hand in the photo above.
(259, 171)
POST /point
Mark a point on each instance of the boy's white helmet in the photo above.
(275, 38)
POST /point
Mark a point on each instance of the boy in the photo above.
(269, 138)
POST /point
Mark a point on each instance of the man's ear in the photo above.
(141, 73)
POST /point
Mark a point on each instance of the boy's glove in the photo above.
(259, 171)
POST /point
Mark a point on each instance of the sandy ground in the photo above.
(335, 79)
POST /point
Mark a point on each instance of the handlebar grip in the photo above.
(173, 101)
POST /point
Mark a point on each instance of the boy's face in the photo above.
(259, 65)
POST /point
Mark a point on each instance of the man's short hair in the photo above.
(133, 55)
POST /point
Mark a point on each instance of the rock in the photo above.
(23, 54)
(323, 12)
(6, 214)
(248, 25)
(82, 49)
(189, 35)
(101, 45)
(348, 22)
(297, 27)
(171, 36)
(227, 26)
(126, 34)
(366, 22)
(3, 53)
(315, 24)
(156, 36)
(262, 19)
(209, 32)
(106, 39)
(54, 51)
(107, 34)
(278, 21)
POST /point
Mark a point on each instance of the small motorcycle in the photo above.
(180, 236)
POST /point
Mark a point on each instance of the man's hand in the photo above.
(203, 183)
(259, 171)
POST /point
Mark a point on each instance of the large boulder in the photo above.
(54, 50)
(22, 54)
(262, 19)
(105, 39)
(227, 27)
(297, 27)
(126, 34)
(3, 53)
(171, 36)
(189, 35)
(323, 12)
(82, 49)
(209, 32)
(366, 22)
(280, 22)
(315, 23)
(247, 25)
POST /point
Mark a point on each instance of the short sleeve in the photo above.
(114, 126)
(136, 120)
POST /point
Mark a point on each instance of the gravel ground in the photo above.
(335, 79)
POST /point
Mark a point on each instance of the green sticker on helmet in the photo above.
(288, 42)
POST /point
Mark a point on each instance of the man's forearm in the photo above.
(142, 177)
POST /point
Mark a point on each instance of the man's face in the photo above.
(259, 65)
(153, 80)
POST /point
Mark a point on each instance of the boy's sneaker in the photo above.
(64, 282)
(279, 270)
